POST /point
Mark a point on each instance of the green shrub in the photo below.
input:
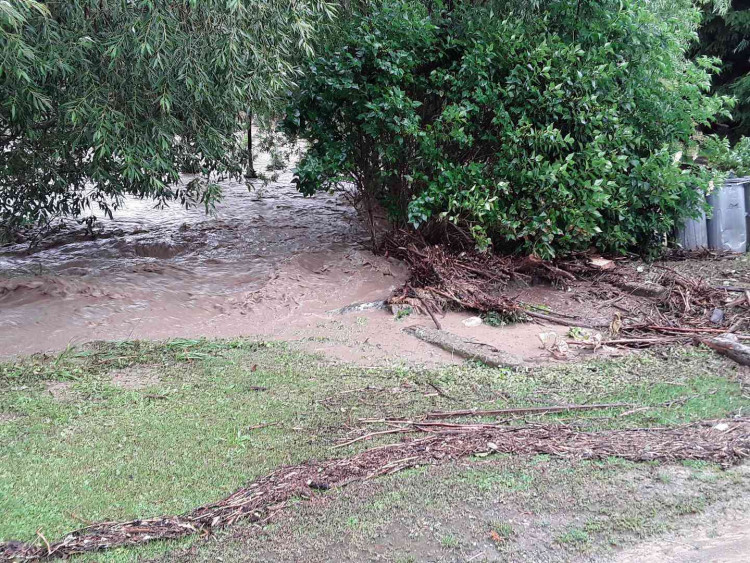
(544, 135)
(724, 157)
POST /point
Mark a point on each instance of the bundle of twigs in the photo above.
(676, 304)
(670, 303)
(722, 442)
(442, 278)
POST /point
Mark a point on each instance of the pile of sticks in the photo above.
(670, 307)
(724, 442)
(442, 279)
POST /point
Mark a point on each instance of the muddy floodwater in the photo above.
(257, 265)
(269, 265)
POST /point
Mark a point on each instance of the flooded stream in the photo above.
(257, 263)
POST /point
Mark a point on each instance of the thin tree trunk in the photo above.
(250, 169)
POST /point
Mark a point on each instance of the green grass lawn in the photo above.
(135, 429)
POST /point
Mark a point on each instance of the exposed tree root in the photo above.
(721, 442)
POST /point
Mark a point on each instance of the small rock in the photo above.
(472, 322)
(492, 445)
(721, 426)
(602, 263)
(717, 316)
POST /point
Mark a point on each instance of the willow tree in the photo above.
(105, 98)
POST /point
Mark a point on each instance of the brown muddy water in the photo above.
(270, 266)
(254, 266)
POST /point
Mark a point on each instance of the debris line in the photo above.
(724, 442)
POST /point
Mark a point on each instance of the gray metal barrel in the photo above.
(746, 184)
(693, 234)
(727, 228)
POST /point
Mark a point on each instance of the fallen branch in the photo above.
(464, 347)
(684, 330)
(432, 315)
(372, 435)
(630, 342)
(525, 410)
(266, 425)
(566, 322)
(725, 443)
(728, 346)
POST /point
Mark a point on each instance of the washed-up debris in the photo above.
(360, 307)
(472, 322)
(671, 304)
(725, 442)
(472, 281)
(557, 346)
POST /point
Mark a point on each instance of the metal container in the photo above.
(746, 185)
(727, 229)
(693, 234)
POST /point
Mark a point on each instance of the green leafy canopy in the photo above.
(104, 98)
(545, 134)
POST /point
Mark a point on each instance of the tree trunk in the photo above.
(250, 174)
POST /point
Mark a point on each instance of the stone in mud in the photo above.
(653, 290)
(472, 322)
(717, 317)
(465, 347)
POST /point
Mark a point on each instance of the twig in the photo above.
(41, 535)
(525, 410)
(432, 315)
(266, 425)
(732, 288)
(371, 434)
(441, 392)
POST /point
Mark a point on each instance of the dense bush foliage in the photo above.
(102, 99)
(722, 156)
(725, 33)
(546, 134)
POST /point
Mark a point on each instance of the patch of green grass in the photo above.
(504, 530)
(489, 479)
(575, 537)
(108, 452)
(692, 505)
(403, 313)
(503, 318)
(449, 541)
